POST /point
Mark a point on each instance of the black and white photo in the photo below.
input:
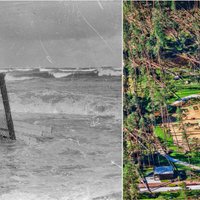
(61, 61)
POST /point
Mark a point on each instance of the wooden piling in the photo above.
(6, 104)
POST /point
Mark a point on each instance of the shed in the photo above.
(163, 173)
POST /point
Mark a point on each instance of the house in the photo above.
(163, 172)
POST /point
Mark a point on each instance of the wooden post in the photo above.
(7, 107)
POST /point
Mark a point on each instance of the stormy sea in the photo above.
(68, 129)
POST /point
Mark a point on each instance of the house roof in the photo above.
(164, 170)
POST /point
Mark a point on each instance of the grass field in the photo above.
(184, 92)
(164, 137)
(192, 158)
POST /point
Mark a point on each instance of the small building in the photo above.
(163, 173)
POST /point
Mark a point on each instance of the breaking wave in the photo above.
(52, 102)
(28, 73)
(45, 69)
(109, 71)
(60, 75)
(9, 77)
(22, 69)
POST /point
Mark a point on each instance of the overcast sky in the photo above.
(60, 34)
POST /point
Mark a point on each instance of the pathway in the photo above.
(181, 162)
(164, 189)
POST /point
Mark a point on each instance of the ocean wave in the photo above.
(30, 73)
(14, 78)
(78, 70)
(52, 102)
(16, 70)
(45, 69)
(3, 70)
(18, 195)
(60, 75)
(23, 69)
(109, 71)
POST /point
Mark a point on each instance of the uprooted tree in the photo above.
(161, 44)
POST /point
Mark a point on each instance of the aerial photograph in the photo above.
(60, 102)
(161, 100)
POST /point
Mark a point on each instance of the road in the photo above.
(181, 162)
(165, 189)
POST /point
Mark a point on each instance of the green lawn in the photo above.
(184, 93)
(185, 90)
(192, 158)
(164, 137)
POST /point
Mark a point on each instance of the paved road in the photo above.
(164, 189)
(150, 180)
(181, 162)
(184, 99)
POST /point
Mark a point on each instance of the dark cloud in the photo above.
(58, 20)
(69, 33)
